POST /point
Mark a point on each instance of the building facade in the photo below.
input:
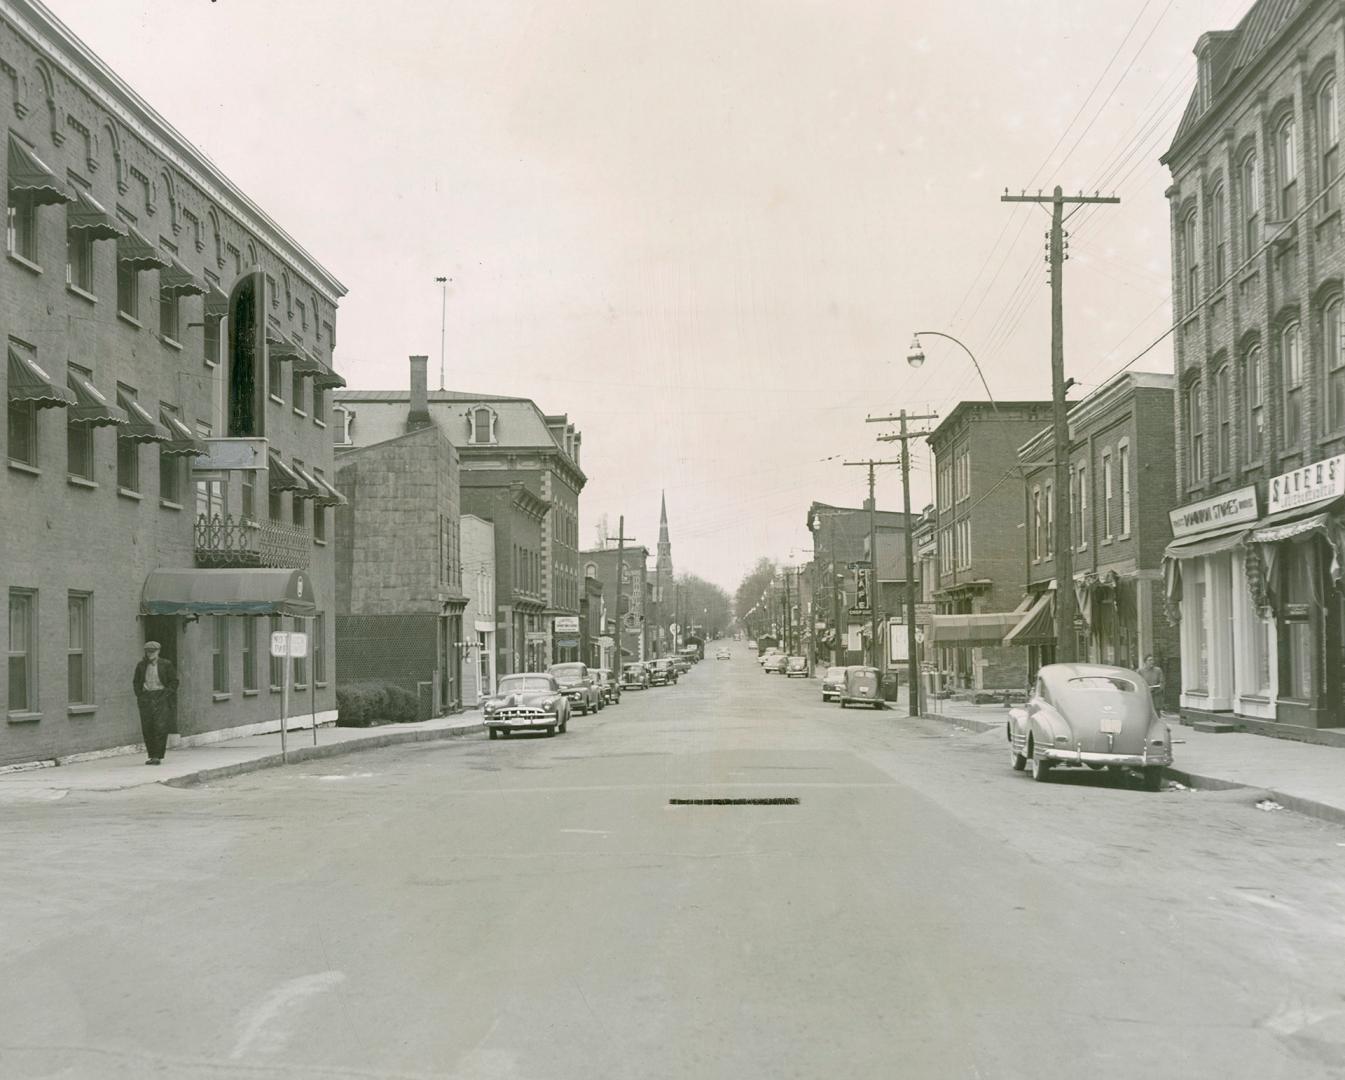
(1122, 483)
(1258, 279)
(627, 596)
(399, 587)
(980, 579)
(478, 582)
(169, 465)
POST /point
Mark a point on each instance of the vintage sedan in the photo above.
(578, 684)
(609, 687)
(635, 677)
(796, 667)
(723, 654)
(662, 672)
(861, 687)
(833, 682)
(774, 664)
(531, 701)
(1089, 716)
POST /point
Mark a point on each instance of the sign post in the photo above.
(287, 644)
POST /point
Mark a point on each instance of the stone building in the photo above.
(979, 501)
(399, 597)
(478, 582)
(169, 350)
(1258, 271)
(1121, 490)
(512, 442)
(627, 603)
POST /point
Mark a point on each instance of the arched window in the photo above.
(1286, 167)
(1218, 238)
(1191, 261)
(481, 425)
(1333, 363)
(1222, 407)
(1254, 393)
(1291, 377)
(1251, 205)
(591, 570)
(1195, 433)
(1328, 143)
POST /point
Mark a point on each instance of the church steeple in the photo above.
(665, 563)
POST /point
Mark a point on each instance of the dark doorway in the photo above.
(245, 378)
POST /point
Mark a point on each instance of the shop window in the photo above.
(1328, 144)
(1195, 617)
(1253, 375)
(21, 417)
(1300, 564)
(1291, 373)
(1333, 363)
(1251, 206)
(22, 651)
(79, 649)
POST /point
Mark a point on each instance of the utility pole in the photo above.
(912, 649)
(875, 598)
(789, 644)
(1064, 526)
(618, 663)
(839, 645)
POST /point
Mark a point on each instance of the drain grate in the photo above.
(784, 800)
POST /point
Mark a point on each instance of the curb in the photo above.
(311, 753)
(964, 721)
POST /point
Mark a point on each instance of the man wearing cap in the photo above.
(155, 686)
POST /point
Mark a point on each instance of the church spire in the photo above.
(665, 563)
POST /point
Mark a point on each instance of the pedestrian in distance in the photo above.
(1153, 675)
(155, 686)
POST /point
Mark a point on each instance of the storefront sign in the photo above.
(1235, 508)
(566, 624)
(1311, 484)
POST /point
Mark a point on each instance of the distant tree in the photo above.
(752, 614)
(704, 604)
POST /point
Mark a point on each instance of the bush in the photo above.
(368, 704)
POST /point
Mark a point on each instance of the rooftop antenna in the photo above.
(443, 322)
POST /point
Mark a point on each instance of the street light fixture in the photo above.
(916, 357)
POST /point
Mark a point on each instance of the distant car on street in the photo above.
(609, 687)
(531, 701)
(796, 667)
(833, 682)
(578, 686)
(723, 654)
(1091, 716)
(774, 663)
(771, 651)
(635, 677)
(861, 688)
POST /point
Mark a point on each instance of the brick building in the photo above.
(478, 582)
(594, 626)
(981, 577)
(1260, 415)
(628, 604)
(169, 350)
(1121, 489)
(513, 442)
(399, 597)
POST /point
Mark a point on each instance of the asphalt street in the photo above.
(535, 908)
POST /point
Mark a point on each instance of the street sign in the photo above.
(287, 643)
(924, 613)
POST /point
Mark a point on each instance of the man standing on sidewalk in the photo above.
(1153, 675)
(155, 686)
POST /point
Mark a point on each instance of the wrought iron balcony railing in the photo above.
(223, 540)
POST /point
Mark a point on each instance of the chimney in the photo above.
(419, 415)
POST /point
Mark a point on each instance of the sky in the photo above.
(705, 230)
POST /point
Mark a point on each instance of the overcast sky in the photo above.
(704, 229)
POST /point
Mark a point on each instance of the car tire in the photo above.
(1153, 778)
(844, 703)
(1041, 769)
(1018, 760)
(493, 733)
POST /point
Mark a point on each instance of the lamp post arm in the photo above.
(971, 355)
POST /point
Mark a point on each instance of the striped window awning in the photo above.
(86, 215)
(30, 175)
(330, 496)
(327, 379)
(140, 426)
(180, 438)
(178, 280)
(139, 253)
(310, 490)
(281, 476)
(91, 407)
(29, 383)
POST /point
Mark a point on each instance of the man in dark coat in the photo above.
(155, 686)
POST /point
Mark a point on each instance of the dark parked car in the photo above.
(861, 687)
(833, 682)
(610, 688)
(662, 672)
(577, 684)
(526, 702)
(635, 677)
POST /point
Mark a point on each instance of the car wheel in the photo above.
(494, 734)
(1153, 779)
(844, 703)
(564, 726)
(1019, 761)
(1041, 769)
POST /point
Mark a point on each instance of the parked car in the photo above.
(635, 677)
(662, 672)
(796, 667)
(861, 687)
(723, 654)
(833, 682)
(681, 664)
(530, 701)
(1090, 716)
(609, 687)
(578, 685)
(772, 651)
(774, 663)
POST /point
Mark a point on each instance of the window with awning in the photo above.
(140, 425)
(1037, 626)
(179, 281)
(330, 496)
(90, 406)
(86, 215)
(280, 476)
(310, 489)
(327, 379)
(30, 384)
(30, 177)
(137, 253)
(228, 592)
(180, 439)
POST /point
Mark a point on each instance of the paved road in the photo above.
(534, 908)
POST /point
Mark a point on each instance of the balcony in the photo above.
(223, 541)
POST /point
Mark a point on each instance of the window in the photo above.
(1254, 390)
(248, 483)
(22, 423)
(1038, 547)
(964, 544)
(1083, 506)
(1191, 261)
(1218, 238)
(170, 322)
(1286, 167)
(79, 450)
(210, 499)
(1195, 434)
(22, 232)
(79, 650)
(298, 506)
(170, 477)
(274, 377)
(128, 289)
(274, 507)
(219, 666)
(251, 624)
(210, 347)
(277, 662)
(1328, 144)
(1123, 464)
(319, 516)
(1334, 364)
(317, 646)
(319, 403)
(963, 480)
(297, 391)
(1106, 497)
(22, 651)
(1223, 422)
(946, 550)
(128, 464)
(1251, 206)
(79, 260)
(1050, 520)
(481, 424)
(1299, 594)
(1291, 371)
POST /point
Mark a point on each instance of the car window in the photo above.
(1102, 682)
(522, 684)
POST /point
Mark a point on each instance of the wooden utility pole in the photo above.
(619, 663)
(912, 647)
(1064, 526)
(875, 598)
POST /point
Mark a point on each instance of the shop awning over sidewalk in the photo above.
(1037, 626)
(973, 631)
(228, 592)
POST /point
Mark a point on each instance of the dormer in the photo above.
(481, 426)
(1211, 59)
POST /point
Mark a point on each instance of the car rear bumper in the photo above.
(1063, 756)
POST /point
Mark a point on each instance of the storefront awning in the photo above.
(1206, 545)
(973, 631)
(1037, 626)
(1287, 524)
(180, 437)
(228, 592)
(90, 406)
(139, 253)
(29, 383)
(178, 280)
(281, 476)
(140, 426)
(30, 175)
(86, 215)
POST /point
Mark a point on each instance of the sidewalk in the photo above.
(1299, 776)
(189, 765)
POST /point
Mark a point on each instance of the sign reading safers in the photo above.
(1236, 508)
(1313, 483)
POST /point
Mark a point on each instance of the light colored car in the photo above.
(774, 663)
(723, 654)
(771, 651)
(833, 682)
(796, 667)
(531, 701)
(577, 684)
(1089, 716)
